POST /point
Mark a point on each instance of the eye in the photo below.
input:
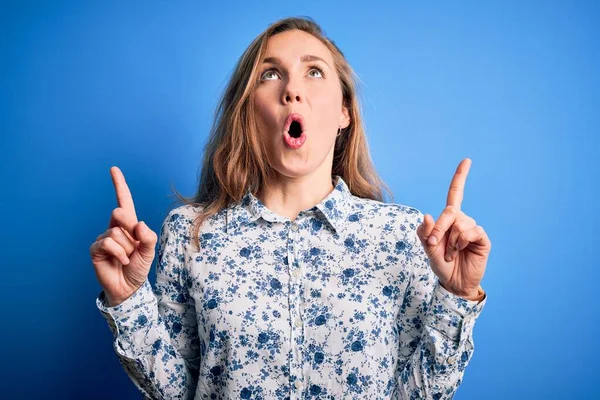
(318, 69)
(262, 78)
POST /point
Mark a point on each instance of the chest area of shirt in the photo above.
(270, 280)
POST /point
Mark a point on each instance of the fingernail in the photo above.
(432, 240)
(448, 257)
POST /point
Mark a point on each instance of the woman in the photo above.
(286, 276)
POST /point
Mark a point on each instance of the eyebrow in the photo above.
(305, 58)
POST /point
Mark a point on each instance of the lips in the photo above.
(294, 134)
(293, 118)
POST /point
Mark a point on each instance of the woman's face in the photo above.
(299, 77)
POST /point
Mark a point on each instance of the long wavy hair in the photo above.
(235, 159)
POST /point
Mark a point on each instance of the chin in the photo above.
(298, 163)
(294, 172)
(295, 169)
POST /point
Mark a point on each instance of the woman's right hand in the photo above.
(123, 255)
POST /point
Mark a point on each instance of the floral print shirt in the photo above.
(340, 303)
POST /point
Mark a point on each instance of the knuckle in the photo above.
(111, 244)
(104, 244)
(117, 215)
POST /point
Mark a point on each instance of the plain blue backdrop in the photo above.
(513, 85)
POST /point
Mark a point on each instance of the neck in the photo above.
(289, 196)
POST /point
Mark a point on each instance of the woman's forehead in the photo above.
(290, 46)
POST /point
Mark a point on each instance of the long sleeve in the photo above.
(436, 333)
(155, 332)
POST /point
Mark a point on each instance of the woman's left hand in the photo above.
(457, 247)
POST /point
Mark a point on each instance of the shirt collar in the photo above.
(334, 209)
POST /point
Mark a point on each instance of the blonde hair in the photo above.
(235, 160)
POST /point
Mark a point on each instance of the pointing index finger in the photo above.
(457, 186)
(124, 198)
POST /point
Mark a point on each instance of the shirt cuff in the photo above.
(452, 315)
(132, 315)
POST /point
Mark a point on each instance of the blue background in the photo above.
(512, 85)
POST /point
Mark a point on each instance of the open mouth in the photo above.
(295, 129)
(294, 132)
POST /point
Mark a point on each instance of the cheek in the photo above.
(260, 99)
(265, 114)
(326, 106)
(329, 96)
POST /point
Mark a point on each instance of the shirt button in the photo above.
(298, 384)
(298, 322)
(451, 360)
(296, 273)
(295, 227)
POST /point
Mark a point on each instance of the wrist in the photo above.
(116, 300)
(476, 294)
(112, 302)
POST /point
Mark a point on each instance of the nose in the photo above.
(292, 92)
(289, 97)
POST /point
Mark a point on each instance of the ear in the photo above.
(344, 118)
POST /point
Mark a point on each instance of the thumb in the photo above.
(423, 232)
(147, 240)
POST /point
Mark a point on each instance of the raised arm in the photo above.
(444, 297)
(436, 333)
(156, 337)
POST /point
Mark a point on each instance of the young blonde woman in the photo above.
(286, 276)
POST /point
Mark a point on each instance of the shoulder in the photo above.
(180, 220)
(183, 214)
(396, 217)
(180, 217)
(389, 210)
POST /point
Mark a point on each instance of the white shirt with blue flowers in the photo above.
(340, 303)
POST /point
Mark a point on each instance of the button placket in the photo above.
(296, 319)
(295, 301)
(293, 238)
